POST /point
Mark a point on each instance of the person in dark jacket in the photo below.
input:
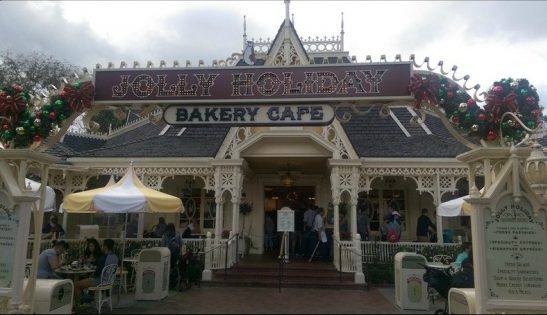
(422, 228)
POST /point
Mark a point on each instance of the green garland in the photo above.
(507, 95)
(24, 124)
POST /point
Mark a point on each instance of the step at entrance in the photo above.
(263, 271)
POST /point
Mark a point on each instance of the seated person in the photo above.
(188, 230)
(466, 250)
(51, 259)
(52, 229)
(92, 252)
(464, 278)
(108, 258)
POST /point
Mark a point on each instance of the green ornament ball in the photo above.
(58, 103)
(523, 91)
(8, 135)
(508, 138)
(61, 117)
(27, 124)
(32, 129)
(531, 124)
(45, 113)
(76, 85)
(504, 125)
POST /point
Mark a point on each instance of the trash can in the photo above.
(152, 281)
(410, 289)
(53, 296)
(461, 301)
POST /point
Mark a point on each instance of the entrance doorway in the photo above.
(298, 198)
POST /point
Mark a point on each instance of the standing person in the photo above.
(363, 225)
(132, 227)
(308, 237)
(189, 229)
(51, 259)
(269, 230)
(92, 252)
(321, 235)
(422, 227)
(52, 229)
(160, 228)
(108, 258)
(172, 240)
(393, 230)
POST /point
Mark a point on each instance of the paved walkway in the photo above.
(250, 300)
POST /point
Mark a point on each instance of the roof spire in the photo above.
(287, 15)
(244, 32)
(292, 18)
(342, 34)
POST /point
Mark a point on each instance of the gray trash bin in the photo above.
(410, 288)
(152, 281)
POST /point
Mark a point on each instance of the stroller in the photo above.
(442, 280)
(189, 270)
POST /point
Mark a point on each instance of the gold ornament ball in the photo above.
(514, 84)
(511, 123)
(20, 130)
(52, 132)
(462, 107)
(37, 122)
(475, 128)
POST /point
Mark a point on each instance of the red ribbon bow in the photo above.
(81, 98)
(424, 89)
(497, 104)
(11, 105)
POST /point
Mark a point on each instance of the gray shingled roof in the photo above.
(146, 141)
(374, 136)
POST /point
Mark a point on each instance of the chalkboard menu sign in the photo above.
(516, 253)
(8, 229)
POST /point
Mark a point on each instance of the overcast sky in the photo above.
(489, 40)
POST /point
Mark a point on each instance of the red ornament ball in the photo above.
(37, 138)
(471, 102)
(482, 116)
(450, 94)
(17, 88)
(530, 100)
(52, 115)
(497, 89)
(5, 127)
(62, 94)
(491, 135)
(456, 120)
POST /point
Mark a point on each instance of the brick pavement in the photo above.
(249, 300)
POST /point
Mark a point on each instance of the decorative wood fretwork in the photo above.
(238, 135)
(332, 135)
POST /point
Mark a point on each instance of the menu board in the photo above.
(516, 251)
(285, 220)
(8, 230)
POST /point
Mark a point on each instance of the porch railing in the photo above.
(347, 257)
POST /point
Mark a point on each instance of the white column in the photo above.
(218, 218)
(24, 211)
(353, 203)
(235, 214)
(207, 274)
(436, 203)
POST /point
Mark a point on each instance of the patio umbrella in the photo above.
(49, 205)
(454, 208)
(129, 195)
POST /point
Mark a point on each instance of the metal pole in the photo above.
(237, 248)
(340, 260)
(226, 261)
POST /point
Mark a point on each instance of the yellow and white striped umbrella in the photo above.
(129, 195)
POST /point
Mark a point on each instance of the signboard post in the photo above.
(285, 224)
(508, 221)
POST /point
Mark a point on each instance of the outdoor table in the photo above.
(74, 273)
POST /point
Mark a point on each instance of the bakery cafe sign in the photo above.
(516, 251)
(297, 95)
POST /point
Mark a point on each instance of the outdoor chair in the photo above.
(121, 278)
(108, 275)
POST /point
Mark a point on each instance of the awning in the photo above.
(454, 208)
